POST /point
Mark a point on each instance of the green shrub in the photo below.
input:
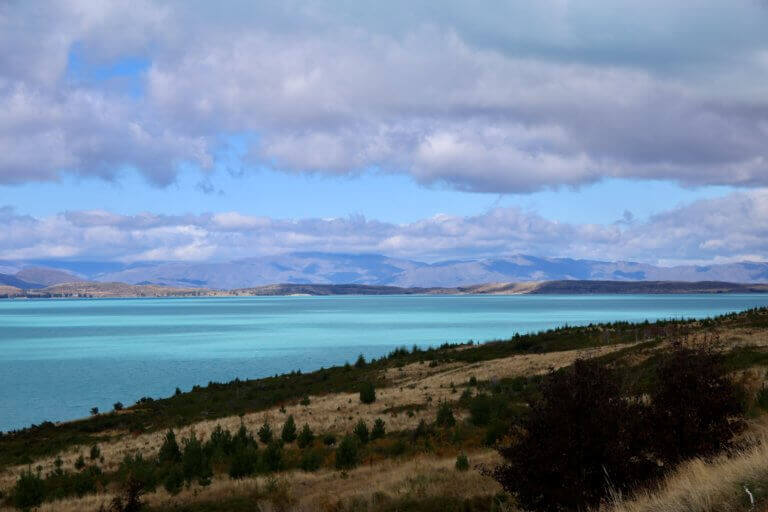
(305, 401)
(95, 452)
(85, 482)
(174, 480)
(265, 433)
(311, 460)
(360, 363)
(80, 462)
(481, 410)
(329, 439)
(118, 406)
(422, 430)
(273, 456)
(29, 491)
(135, 468)
(288, 433)
(244, 461)
(378, 431)
(367, 393)
(169, 451)
(195, 462)
(347, 453)
(445, 417)
(306, 437)
(462, 462)
(361, 432)
(221, 442)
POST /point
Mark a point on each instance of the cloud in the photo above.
(43, 134)
(729, 228)
(501, 99)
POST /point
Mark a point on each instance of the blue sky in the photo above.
(173, 130)
(122, 74)
(275, 194)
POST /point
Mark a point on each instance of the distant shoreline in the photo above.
(89, 289)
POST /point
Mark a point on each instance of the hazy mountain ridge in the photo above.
(93, 289)
(15, 282)
(367, 269)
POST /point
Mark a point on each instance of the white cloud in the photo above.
(729, 228)
(503, 98)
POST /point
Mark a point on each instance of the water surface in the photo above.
(59, 358)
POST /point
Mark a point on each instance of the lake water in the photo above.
(59, 358)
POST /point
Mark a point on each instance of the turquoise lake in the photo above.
(59, 358)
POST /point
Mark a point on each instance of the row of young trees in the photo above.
(193, 460)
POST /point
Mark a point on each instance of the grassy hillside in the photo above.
(435, 405)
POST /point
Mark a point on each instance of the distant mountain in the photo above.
(324, 268)
(12, 280)
(46, 276)
(374, 270)
(299, 268)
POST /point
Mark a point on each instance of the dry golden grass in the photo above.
(714, 486)
(741, 337)
(421, 375)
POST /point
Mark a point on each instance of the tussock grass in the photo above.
(708, 486)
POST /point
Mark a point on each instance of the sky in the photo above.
(190, 130)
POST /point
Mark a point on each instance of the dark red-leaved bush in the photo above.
(581, 439)
(588, 436)
(695, 408)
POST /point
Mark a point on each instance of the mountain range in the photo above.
(364, 269)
